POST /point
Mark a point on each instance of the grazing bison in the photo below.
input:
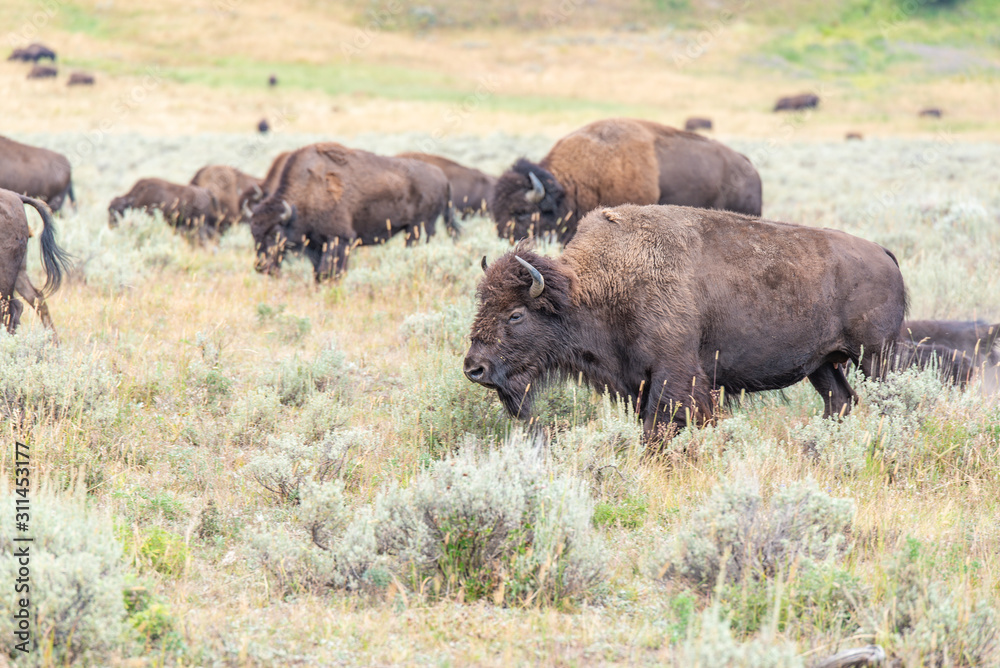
(255, 194)
(932, 112)
(80, 79)
(227, 184)
(666, 304)
(471, 189)
(954, 365)
(853, 136)
(331, 198)
(977, 341)
(188, 208)
(272, 81)
(621, 161)
(35, 172)
(263, 126)
(697, 123)
(33, 53)
(14, 233)
(42, 72)
(797, 102)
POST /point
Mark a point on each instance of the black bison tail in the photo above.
(71, 195)
(55, 259)
(450, 224)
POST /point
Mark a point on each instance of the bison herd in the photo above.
(671, 291)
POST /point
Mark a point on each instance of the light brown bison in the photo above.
(853, 136)
(227, 184)
(14, 233)
(471, 189)
(256, 194)
(32, 53)
(43, 72)
(665, 305)
(331, 198)
(35, 172)
(797, 102)
(190, 209)
(697, 123)
(80, 79)
(621, 161)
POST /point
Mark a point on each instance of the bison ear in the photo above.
(484, 264)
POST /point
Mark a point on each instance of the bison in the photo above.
(976, 339)
(256, 193)
(80, 79)
(43, 72)
(33, 53)
(35, 172)
(471, 189)
(797, 102)
(854, 136)
(953, 365)
(697, 123)
(228, 185)
(263, 126)
(331, 198)
(665, 305)
(932, 112)
(14, 233)
(188, 208)
(621, 161)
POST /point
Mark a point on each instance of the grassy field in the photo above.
(199, 422)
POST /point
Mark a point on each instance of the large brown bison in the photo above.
(227, 184)
(32, 53)
(471, 189)
(189, 208)
(14, 233)
(255, 194)
(331, 198)
(621, 161)
(35, 172)
(797, 102)
(665, 304)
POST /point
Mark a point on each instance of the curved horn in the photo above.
(537, 280)
(286, 215)
(257, 191)
(246, 210)
(537, 190)
(484, 264)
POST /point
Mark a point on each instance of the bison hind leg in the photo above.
(10, 313)
(832, 385)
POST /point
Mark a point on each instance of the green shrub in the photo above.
(297, 380)
(712, 644)
(629, 514)
(165, 552)
(254, 415)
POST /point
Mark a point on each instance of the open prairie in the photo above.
(232, 469)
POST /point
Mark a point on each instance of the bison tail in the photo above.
(454, 230)
(55, 259)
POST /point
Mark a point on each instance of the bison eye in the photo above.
(515, 316)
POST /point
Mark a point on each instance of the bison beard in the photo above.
(663, 305)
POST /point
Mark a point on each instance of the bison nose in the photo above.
(475, 370)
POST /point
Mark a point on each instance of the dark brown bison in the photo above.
(853, 136)
(797, 102)
(14, 233)
(189, 208)
(331, 198)
(272, 81)
(471, 189)
(976, 339)
(256, 194)
(932, 112)
(263, 126)
(621, 161)
(697, 123)
(227, 184)
(666, 304)
(954, 365)
(32, 53)
(80, 79)
(35, 172)
(43, 72)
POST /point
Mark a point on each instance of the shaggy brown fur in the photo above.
(32, 53)
(227, 184)
(797, 102)
(14, 233)
(251, 197)
(331, 198)
(620, 161)
(189, 208)
(35, 172)
(665, 304)
(80, 79)
(697, 123)
(471, 189)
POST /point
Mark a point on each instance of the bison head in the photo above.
(521, 326)
(528, 201)
(269, 224)
(250, 198)
(117, 209)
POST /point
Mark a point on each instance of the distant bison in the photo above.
(664, 305)
(227, 184)
(954, 365)
(272, 81)
(853, 136)
(263, 126)
(697, 123)
(976, 339)
(32, 53)
(331, 198)
(42, 72)
(35, 172)
(471, 189)
(619, 161)
(14, 233)
(255, 194)
(189, 208)
(80, 79)
(932, 112)
(797, 102)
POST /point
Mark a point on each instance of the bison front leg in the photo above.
(34, 297)
(676, 400)
(10, 313)
(332, 259)
(838, 396)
